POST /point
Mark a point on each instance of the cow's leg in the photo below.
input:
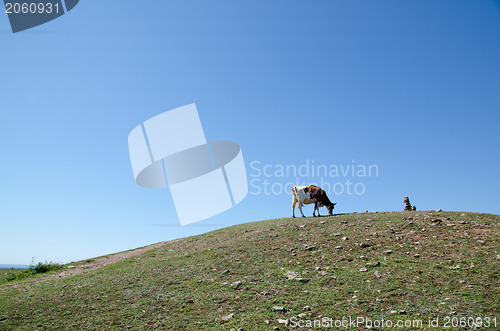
(293, 207)
(314, 210)
(300, 208)
(318, 211)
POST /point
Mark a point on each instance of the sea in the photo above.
(13, 266)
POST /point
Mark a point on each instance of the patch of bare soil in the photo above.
(100, 262)
(92, 264)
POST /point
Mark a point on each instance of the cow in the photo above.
(304, 195)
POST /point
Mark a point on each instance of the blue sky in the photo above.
(409, 86)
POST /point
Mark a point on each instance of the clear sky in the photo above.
(410, 87)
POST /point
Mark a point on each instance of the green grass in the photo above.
(187, 284)
(7, 275)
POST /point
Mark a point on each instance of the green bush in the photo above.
(10, 276)
(33, 269)
(41, 268)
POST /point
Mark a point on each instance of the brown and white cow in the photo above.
(304, 195)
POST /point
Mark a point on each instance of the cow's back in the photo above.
(306, 194)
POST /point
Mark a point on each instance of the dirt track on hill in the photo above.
(99, 262)
(92, 264)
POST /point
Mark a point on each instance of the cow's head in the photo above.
(330, 208)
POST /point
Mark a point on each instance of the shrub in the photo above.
(41, 268)
(33, 269)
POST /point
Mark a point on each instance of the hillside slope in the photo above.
(405, 266)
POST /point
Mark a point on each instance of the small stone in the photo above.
(317, 268)
(363, 269)
(389, 251)
(338, 247)
(302, 280)
(393, 312)
(291, 274)
(322, 273)
(337, 234)
(417, 255)
(236, 284)
(275, 328)
(71, 267)
(227, 317)
(402, 311)
(354, 296)
(373, 264)
(278, 308)
(286, 322)
(322, 222)
(461, 281)
(301, 315)
(303, 226)
(364, 245)
(439, 210)
(306, 308)
(377, 274)
(344, 238)
(498, 257)
(266, 322)
(225, 271)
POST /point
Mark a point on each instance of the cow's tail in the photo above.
(295, 196)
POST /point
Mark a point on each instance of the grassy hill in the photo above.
(398, 266)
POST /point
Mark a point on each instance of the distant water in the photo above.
(15, 266)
